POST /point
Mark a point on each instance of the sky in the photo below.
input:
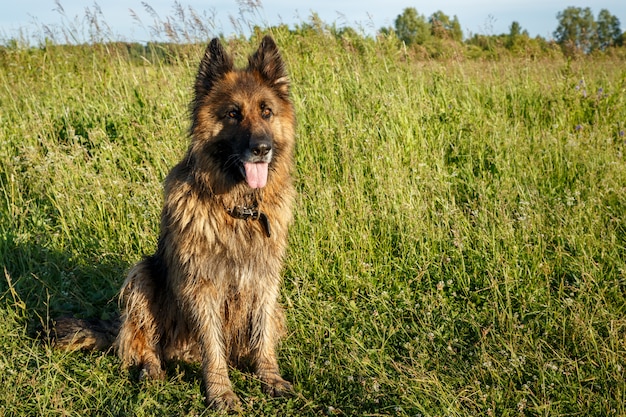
(26, 18)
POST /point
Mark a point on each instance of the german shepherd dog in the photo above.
(210, 292)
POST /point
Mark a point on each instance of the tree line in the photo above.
(577, 32)
(439, 36)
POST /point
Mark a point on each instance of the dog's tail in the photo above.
(79, 334)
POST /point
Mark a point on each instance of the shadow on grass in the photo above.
(54, 283)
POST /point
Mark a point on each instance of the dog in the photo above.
(210, 291)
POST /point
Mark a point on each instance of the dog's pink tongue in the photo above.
(256, 174)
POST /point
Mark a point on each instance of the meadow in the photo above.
(459, 243)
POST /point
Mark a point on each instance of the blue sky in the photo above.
(538, 17)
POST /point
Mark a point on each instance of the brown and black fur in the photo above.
(210, 292)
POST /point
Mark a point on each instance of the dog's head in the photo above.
(242, 119)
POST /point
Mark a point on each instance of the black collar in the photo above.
(245, 213)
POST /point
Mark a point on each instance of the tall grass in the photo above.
(458, 245)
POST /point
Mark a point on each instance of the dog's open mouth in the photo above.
(256, 174)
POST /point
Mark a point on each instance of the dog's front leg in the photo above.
(204, 309)
(268, 324)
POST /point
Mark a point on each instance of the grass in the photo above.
(458, 245)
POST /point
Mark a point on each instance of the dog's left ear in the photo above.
(269, 64)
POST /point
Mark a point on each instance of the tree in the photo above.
(576, 29)
(411, 27)
(516, 37)
(515, 29)
(444, 28)
(609, 31)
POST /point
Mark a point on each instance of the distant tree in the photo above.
(515, 29)
(516, 36)
(576, 29)
(488, 43)
(445, 28)
(411, 27)
(609, 31)
(455, 29)
(386, 30)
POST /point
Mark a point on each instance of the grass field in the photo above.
(459, 244)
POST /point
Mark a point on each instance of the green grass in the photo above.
(459, 244)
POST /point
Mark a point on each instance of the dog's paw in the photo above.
(151, 371)
(276, 386)
(226, 402)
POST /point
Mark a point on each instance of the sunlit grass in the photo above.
(458, 245)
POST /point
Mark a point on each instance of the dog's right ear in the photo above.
(215, 63)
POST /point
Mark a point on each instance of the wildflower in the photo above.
(578, 128)
(581, 86)
(621, 133)
(375, 386)
(331, 411)
(552, 366)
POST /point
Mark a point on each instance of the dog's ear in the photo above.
(269, 64)
(215, 63)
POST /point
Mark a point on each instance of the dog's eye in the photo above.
(234, 114)
(266, 112)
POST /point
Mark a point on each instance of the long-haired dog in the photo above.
(210, 292)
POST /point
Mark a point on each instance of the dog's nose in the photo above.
(261, 148)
